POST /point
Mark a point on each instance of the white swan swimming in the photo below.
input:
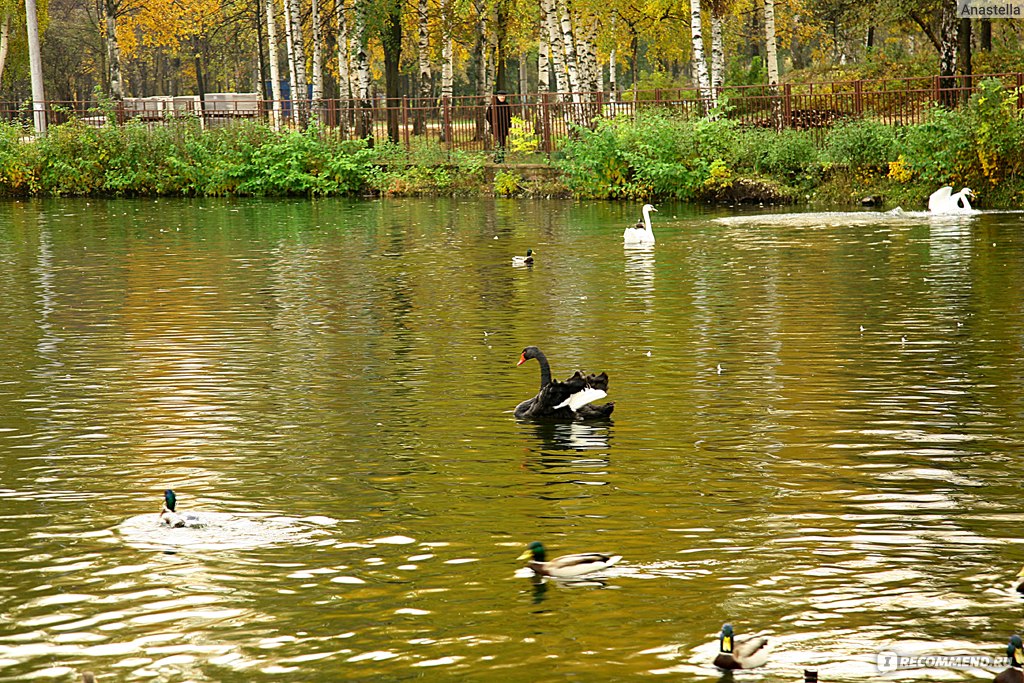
(641, 235)
(944, 201)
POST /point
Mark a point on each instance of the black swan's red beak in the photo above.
(522, 359)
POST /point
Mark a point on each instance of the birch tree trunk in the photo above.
(771, 51)
(318, 60)
(543, 62)
(571, 63)
(300, 95)
(613, 86)
(35, 67)
(557, 52)
(345, 89)
(423, 54)
(447, 71)
(590, 69)
(113, 50)
(483, 87)
(290, 58)
(772, 58)
(700, 64)
(524, 77)
(364, 121)
(275, 69)
(717, 54)
(5, 40)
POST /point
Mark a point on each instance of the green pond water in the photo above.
(818, 437)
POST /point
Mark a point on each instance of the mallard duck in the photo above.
(87, 677)
(745, 654)
(1020, 581)
(168, 515)
(523, 260)
(1015, 653)
(566, 566)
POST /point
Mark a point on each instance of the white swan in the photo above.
(944, 201)
(641, 235)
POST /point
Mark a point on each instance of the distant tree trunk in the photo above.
(501, 79)
(200, 81)
(869, 38)
(113, 50)
(423, 55)
(300, 95)
(364, 121)
(717, 53)
(345, 90)
(947, 53)
(700, 64)
(591, 69)
(491, 73)
(318, 61)
(5, 40)
(963, 57)
(613, 86)
(524, 77)
(275, 69)
(391, 38)
(483, 73)
(634, 49)
(986, 35)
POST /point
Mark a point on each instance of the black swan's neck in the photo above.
(545, 369)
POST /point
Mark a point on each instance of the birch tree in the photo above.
(110, 8)
(717, 52)
(275, 68)
(299, 90)
(771, 51)
(5, 39)
(289, 48)
(569, 43)
(364, 121)
(543, 62)
(318, 60)
(423, 57)
(700, 65)
(557, 51)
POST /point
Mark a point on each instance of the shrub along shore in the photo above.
(657, 155)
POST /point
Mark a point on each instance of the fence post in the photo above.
(787, 106)
(657, 96)
(936, 88)
(858, 97)
(545, 127)
(405, 120)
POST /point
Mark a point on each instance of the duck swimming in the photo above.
(566, 566)
(1015, 653)
(568, 400)
(745, 654)
(523, 260)
(169, 514)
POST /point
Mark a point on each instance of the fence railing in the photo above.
(460, 122)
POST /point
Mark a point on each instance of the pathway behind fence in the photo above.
(459, 122)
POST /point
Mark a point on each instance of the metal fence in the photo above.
(459, 122)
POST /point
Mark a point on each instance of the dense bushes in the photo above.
(658, 154)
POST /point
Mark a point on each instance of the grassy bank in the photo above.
(657, 155)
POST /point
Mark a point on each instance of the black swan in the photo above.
(568, 400)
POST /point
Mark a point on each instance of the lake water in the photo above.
(817, 437)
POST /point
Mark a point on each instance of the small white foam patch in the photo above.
(394, 540)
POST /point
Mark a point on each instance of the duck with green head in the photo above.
(1015, 653)
(566, 566)
(169, 515)
(746, 654)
